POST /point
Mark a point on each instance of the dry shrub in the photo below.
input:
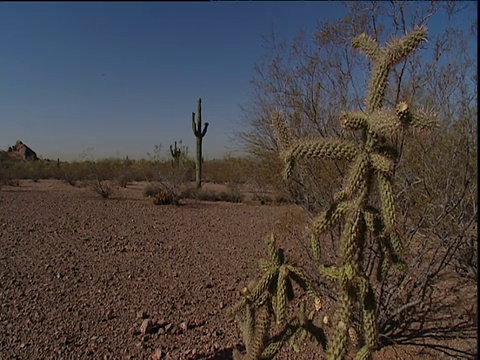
(165, 198)
(12, 182)
(233, 194)
(104, 188)
(164, 191)
(122, 181)
(152, 189)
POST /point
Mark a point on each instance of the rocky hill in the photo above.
(20, 151)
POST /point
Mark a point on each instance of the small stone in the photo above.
(191, 352)
(162, 322)
(142, 315)
(109, 315)
(184, 326)
(134, 331)
(157, 355)
(147, 326)
(145, 338)
(168, 327)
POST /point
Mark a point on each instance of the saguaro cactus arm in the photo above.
(194, 125)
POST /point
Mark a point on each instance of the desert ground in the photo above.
(80, 276)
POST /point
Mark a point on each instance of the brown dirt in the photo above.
(78, 273)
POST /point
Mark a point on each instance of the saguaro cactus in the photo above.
(372, 168)
(199, 134)
(176, 153)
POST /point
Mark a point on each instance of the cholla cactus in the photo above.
(265, 303)
(372, 163)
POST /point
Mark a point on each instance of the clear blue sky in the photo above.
(126, 76)
(122, 77)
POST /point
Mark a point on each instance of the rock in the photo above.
(142, 315)
(168, 327)
(22, 152)
(184, 326)
(147, 326)
(109, 315)
(190, 354)
(162, 322)
(157, 355)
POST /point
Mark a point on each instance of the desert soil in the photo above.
(79, 274)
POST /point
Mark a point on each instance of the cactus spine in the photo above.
(199, 134)
(372, 168)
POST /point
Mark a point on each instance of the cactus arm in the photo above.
(368, 46)
(382, 163)
(399, 49)
(354, 121)
(395, 52)
(199, 111)
(322, 149)
(420, 119)
(317, 149)
(204, 130)
(325, 221)
(282, 131)
(194, 128)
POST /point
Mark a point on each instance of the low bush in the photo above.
(152, 189)
(164, 192)
(102, 187)
(165, 198)
(232, 194)
(122, 180)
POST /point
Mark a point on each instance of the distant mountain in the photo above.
(20, 151)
